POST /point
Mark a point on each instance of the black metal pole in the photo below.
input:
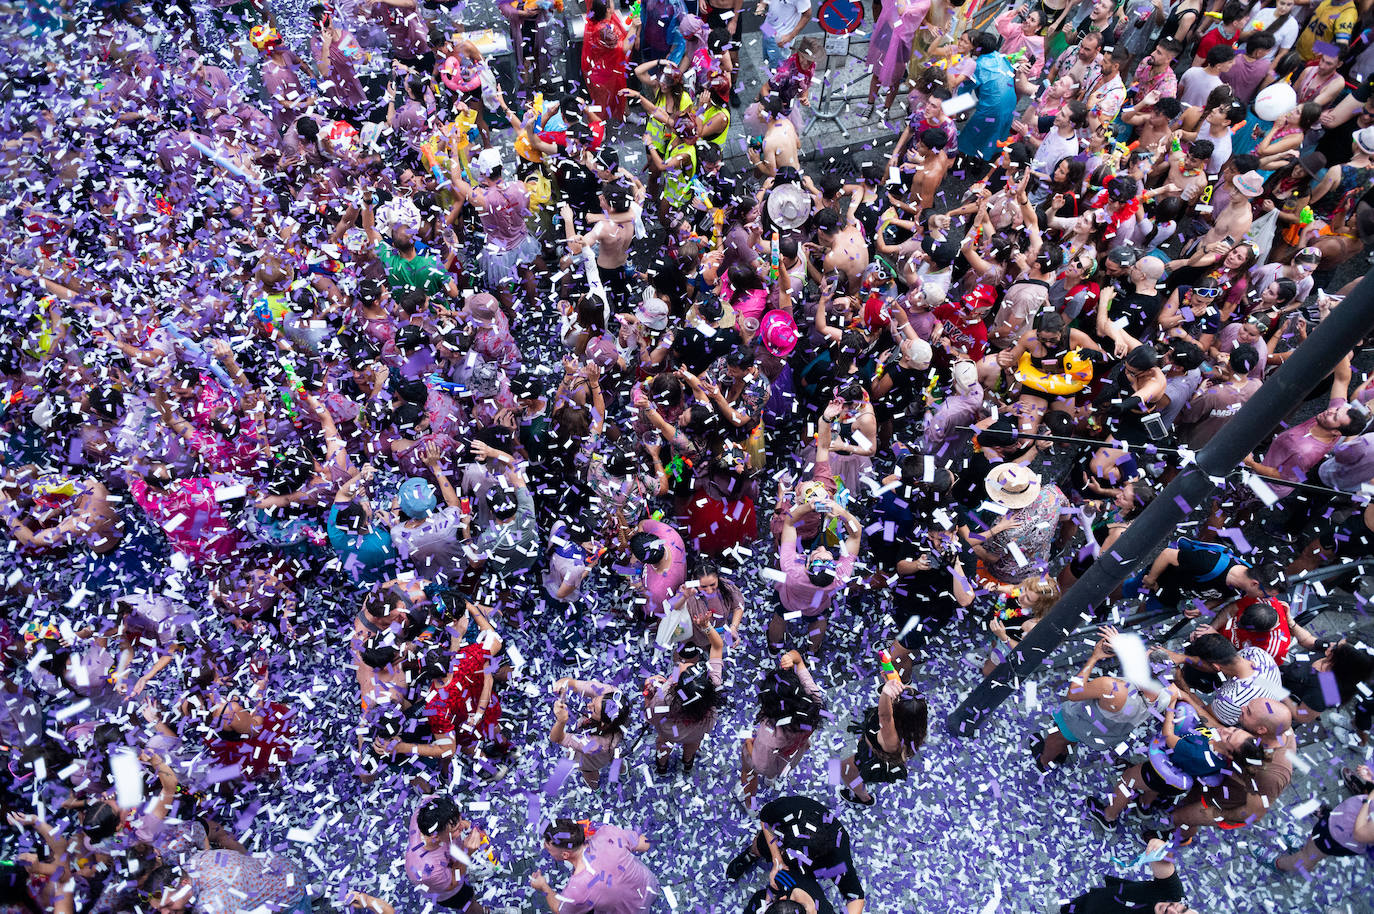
(1314, 360)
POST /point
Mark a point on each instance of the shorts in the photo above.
(915, 630)
(715, 18)
(1155, 782)
(787, 616)
(1325, 842)
(1068, 734)
(461, 901)
(1350, 539)
(877, 770)
(617, 283)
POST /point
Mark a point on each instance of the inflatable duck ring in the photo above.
(1077, 374)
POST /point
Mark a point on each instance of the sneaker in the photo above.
(743, 862)
(1097, 811)
(853, 797)
(490, 774)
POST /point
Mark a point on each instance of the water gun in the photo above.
(889, 670)
(451, 387)
(262, 310)
(1015, 56)
(484, 847)
(636, 10)
(677, 466)
(295, 387)
(1305, 216)
(1175, 145)
(717, 226)
(776, 259)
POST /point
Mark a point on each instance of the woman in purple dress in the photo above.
(889, 50)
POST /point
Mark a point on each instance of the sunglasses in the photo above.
(1206, 293)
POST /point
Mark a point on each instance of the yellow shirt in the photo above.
(1332, 22)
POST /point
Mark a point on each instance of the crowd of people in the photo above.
(398, 437)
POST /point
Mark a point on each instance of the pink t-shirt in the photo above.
(663, 584)
(798, 594)
(613, 880)
(190, 516)
(430, 870)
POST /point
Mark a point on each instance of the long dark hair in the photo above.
(615, 714)
(695, 696)
(785, 703)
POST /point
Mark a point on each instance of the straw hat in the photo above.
(1012, 485)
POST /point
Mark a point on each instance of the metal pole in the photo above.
(1314, 360)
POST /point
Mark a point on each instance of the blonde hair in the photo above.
(1041, 593)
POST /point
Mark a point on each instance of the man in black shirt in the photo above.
(801, 835)
(1204, 571)
(705, 340)
(1163, 894)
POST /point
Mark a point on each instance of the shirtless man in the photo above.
(844, 248)
(65, 512)
(1153, 119)
(781, 145)
(1239, 213)
(75, 515)
(1187, 170)
(927, 165)
(611, 239)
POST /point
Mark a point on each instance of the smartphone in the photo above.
(1153, 424)
(1228, 241)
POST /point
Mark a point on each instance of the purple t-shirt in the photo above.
(613, 880)
(1296, 452)
(798, 594)
(430, 870)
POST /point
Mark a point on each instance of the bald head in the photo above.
(1152, 268)
(1267, 718)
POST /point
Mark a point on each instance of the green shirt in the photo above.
(419, 272)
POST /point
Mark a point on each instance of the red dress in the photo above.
(453, 702)
(603, 64)
(264, 752)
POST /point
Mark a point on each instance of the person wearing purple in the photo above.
(503, 208)
(407, 31)
(336, 54)
(441, 847)
(809, 585)
(281, 80)
(607, 876)
(659, 548)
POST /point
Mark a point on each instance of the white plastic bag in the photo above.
(674, 628)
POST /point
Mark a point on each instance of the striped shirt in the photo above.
(1235, 694)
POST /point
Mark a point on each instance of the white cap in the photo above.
(917, 351)
(488, 160)
(965, 375)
